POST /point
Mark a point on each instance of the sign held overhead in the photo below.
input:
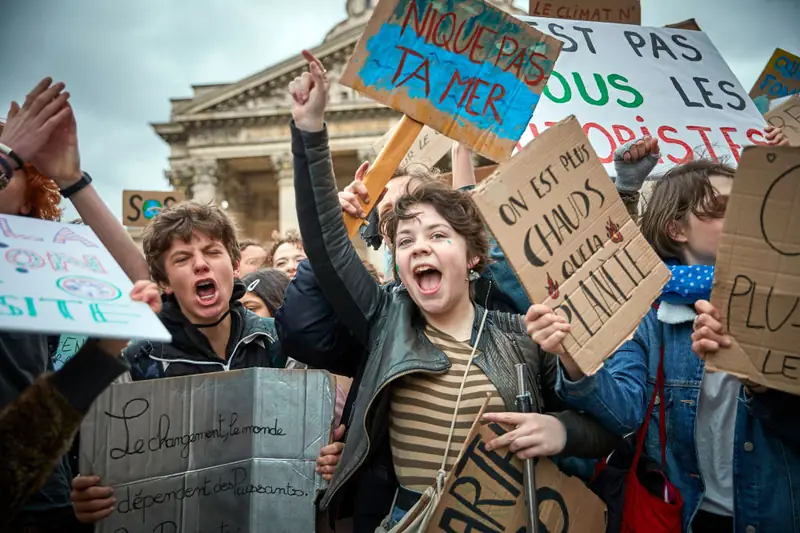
(757, 276)
(467, 69)
(620, 11)
(140, 207)
(565, 231)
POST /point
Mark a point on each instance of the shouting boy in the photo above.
(192, 254)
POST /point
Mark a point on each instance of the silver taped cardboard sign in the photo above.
(211, 451)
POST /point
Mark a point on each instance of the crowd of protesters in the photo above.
(414, 347)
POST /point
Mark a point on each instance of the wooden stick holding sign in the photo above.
(466, 69)
(387, 162)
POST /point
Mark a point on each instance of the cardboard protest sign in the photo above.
(481, 173)
(781, 76)
(623, 82)
(688, 24)
(757, 275)
(485, 492)
(619, 11)
(59, 279)
(428, 148)
(191, 454)
(140, 207)
(787, 117)
(467, 69)
(566, 233)
(68, 346)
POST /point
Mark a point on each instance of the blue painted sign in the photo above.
(464, 68)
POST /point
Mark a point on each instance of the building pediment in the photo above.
(267, 89)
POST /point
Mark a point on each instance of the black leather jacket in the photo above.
(389, 324)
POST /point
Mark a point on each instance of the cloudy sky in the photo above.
(122, 61)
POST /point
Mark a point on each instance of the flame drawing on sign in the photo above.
(552, 287)
(613, 231)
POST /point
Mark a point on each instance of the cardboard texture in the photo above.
(59, 279)
(623, 82)
(481, 173)
(233, 447)
(429, 147)
(140, 207)
(757, 277)
(565, 231)
(467, 69)
(485, 492)
(781, 76)
(619, 11)
(688, 24)
(787, 117)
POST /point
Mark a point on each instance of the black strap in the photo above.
(79, 185)
(223, 317)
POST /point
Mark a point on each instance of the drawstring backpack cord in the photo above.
(440, 475)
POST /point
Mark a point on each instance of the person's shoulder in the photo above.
(255, 324)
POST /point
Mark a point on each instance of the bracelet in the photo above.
(6, 173)
(79, 185)
(13, 155)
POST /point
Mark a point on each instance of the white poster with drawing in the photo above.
(59, 279)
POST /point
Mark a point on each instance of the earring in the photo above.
(472, 275)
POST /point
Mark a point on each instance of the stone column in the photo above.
(287, 208)
(204, 183)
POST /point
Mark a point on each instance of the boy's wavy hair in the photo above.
(178, 222)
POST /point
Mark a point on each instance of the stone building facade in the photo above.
(230, 142)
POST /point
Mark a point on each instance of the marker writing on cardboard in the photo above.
(226, 427)
(236, 481)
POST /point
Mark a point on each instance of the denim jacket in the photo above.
(766, 461)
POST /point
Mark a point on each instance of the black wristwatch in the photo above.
(79, 185)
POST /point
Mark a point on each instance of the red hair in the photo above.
(42, 194)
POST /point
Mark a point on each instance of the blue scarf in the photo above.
(688, 284)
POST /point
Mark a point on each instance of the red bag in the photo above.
(642, 511)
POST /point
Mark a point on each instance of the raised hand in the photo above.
(775, 136)
(28, 128)
(59, 158)
(350, 196)
(310, 95)
(640, 149)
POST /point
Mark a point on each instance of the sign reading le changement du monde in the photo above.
(229, 451)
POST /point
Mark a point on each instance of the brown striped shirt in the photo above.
(422, 410)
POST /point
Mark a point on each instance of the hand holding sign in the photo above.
(144, 291)
(536, 435)
(709, 333)
(351, 195)
(310, 95)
